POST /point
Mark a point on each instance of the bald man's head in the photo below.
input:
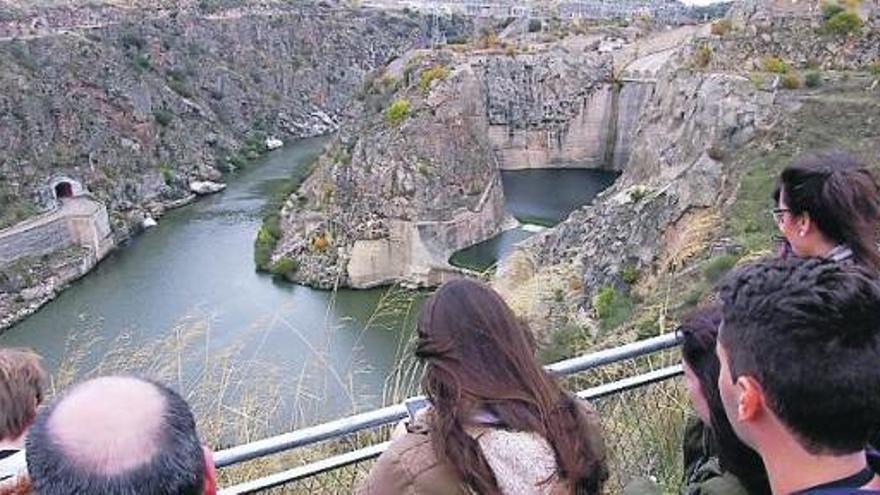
(116, 436)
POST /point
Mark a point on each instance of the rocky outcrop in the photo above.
(398, 193)
(686, 127)
(552, 109)
(794, 33)
(136, 103)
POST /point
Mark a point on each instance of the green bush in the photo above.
(167, 175)
(629, 274)
(844, 23)
(163, 117)
(285, 268)
(267, 238)
(813, 80)
(428, 76)
(142, 61)
(397, 112)
(774, 64)
(564, 343)
(874, 68)
(717, 267)
(791, 81)
(831, 9)
(612, 308)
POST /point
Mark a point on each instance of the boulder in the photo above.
(273, 143)
(205, 187)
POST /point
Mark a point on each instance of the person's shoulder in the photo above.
(710, 479)
(410, 465)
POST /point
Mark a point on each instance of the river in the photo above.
(538, 199)
(182, 303)
(183, 299)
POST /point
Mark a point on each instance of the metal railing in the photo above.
(392, 414)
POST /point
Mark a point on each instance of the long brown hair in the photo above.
(481, 357)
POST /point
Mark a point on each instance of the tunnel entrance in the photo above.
(64, 190)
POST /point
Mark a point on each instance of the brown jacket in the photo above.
(410, 466)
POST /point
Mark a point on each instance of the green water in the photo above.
(542, 197)
(183, 299)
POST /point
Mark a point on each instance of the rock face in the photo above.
(136, 103)
(794, 33)
(397, 194)
(688, 122)
(553, 109)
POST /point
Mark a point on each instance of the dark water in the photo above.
(183, 302)
(542, 197)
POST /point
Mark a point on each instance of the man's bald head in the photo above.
(118, 436)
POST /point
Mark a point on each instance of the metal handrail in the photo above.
(395, 413)
(373, 451)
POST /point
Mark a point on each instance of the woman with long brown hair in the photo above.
(497, 423)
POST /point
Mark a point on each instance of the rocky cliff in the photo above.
(135, 103)
(551, 109)
(411, 181)
(712, 105)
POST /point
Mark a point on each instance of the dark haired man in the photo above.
(800, 371)
(118, 436)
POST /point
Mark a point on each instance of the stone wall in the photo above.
(417, 252)
(36, 241)
(579, 142)
(81, 222)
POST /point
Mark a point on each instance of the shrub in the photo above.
(180, 87)
(428, 76)
(813, 80)
(534, 25)
(717, 267)
(264, 244)
(397, 112)
(142, 61)
(163, 117)
(844, 23)
(791, 81)
(131, 40)
(722, 27)
(564, 343)
(874, 68)
(612, 307)
(775, 65)
(831, 9)
(629, 274)
(638, 193)
(285, 268)
(703, 56)
(167, 175)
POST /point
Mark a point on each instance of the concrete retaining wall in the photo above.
(84, 223)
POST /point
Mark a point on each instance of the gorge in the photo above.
(423, 152)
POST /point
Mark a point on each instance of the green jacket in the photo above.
(703, 474)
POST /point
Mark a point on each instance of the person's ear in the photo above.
(804, 224)
(210, 472)
(750, 399)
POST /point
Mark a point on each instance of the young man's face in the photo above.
(729, 391)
